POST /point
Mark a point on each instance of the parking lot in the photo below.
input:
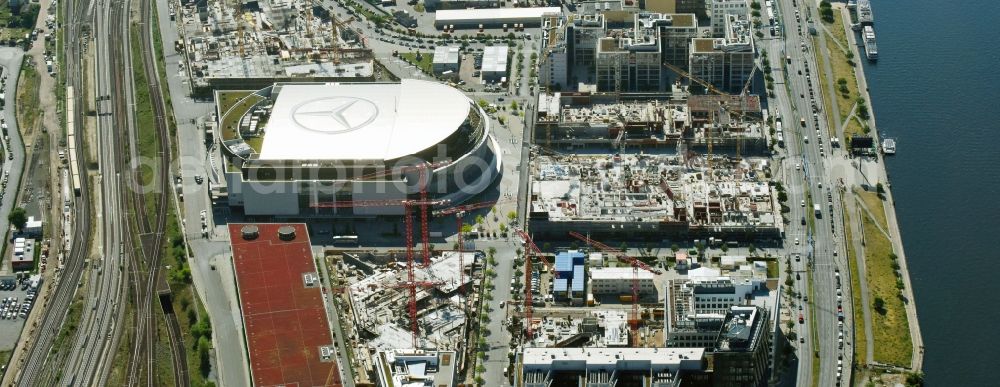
(16, 300)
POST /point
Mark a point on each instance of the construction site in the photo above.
(577, 120)
(399, 309)
(596, 315)
(255, 43)
(654, 197)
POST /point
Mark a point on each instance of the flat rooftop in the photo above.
(284, 320)
(361, 121)
(619, 273)
(612, 358)
(493, 14)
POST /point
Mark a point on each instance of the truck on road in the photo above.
(818, 210)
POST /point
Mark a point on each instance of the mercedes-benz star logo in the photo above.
(335, 115)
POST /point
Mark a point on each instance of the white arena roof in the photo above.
(361, 121)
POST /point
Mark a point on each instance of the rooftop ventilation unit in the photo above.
(250, 232)
(286, 233)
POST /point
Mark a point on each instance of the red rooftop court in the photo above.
(287, 332)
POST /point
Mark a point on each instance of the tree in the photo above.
(879, 305)
(204, 363)
(512, 215)
(17, 218)
(880, 189)
(546, 246)
(914, 379)
(491, 251)
(674, 247)
(513, 105)
(503, 228)
(752, 248)
(725, 248)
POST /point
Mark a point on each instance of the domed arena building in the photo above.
(292, 149)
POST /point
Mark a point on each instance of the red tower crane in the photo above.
(412, 286)
(459, 212)
(636, 265)
(530, 250)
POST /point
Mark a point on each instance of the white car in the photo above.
(798, 166)
(803, 202)
(796, 241)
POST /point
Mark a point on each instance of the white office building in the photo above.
(495, 61)
(446, 58)
(618, 281)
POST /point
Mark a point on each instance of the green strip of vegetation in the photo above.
(843, 65)
(889, 322)
(860, 338)
(195, 326)
(147, 141)
(119, 368)
(68, 331)
(27, 100)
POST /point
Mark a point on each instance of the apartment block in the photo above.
(725, 62)
(720, 9)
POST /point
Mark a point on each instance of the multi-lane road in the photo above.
(806, 167)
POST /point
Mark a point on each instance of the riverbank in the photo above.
(871, 172)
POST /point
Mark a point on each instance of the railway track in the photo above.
(57, 308)
(152, 230)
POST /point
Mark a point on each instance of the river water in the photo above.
(936, 89)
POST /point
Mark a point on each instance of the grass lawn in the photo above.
(874, 204)
(228, 99)
(854, 127)
(891, 329)
(772, 269)
(256, 143)
(860, 340)
(425, 63)
(233, 110)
